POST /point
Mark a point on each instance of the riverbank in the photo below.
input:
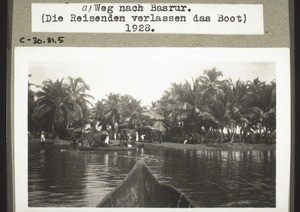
(225, 146)
(58, 141)
(55, 141)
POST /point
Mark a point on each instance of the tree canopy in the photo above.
(203, 108)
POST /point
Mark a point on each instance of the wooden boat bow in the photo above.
(141, 189)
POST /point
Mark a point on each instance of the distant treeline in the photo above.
(199, 111)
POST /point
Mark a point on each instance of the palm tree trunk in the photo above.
(182, 133)
(136, 133)
(245, 135)
(228, 133)
(195, 131)
(260, 133)
(240, 135)
(221, 135)
(233, 127)
(266, 134)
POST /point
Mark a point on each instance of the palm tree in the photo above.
(153, 105)
(124, 107)
(55, 105)
(242, 116)
(185, 102)
(77, 91)
(220, 108)
(112, 109)
(193, 103)
(211, 83)
(78, 94)
(171, 104)
(235, 92)
(31, 107)
(98, 111)
(262, 104)
(135, 109)
(209, 101)
(220, 98)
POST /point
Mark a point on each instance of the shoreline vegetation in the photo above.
(171, 145)
(208, 112)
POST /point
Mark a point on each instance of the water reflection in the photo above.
(213, 178)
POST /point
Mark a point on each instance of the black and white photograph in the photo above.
(152, 128)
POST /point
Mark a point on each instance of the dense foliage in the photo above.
(208, 109)
(208, 106)
(58, 105)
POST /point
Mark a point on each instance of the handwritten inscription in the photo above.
(39, 41)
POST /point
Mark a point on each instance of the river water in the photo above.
(212, 178)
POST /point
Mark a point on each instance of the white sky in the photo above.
(144, 79)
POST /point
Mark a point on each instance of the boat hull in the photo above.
(47, 142)
(140, 144)
(113, 148)
(141, 189)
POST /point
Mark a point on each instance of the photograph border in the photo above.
(25, 55)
